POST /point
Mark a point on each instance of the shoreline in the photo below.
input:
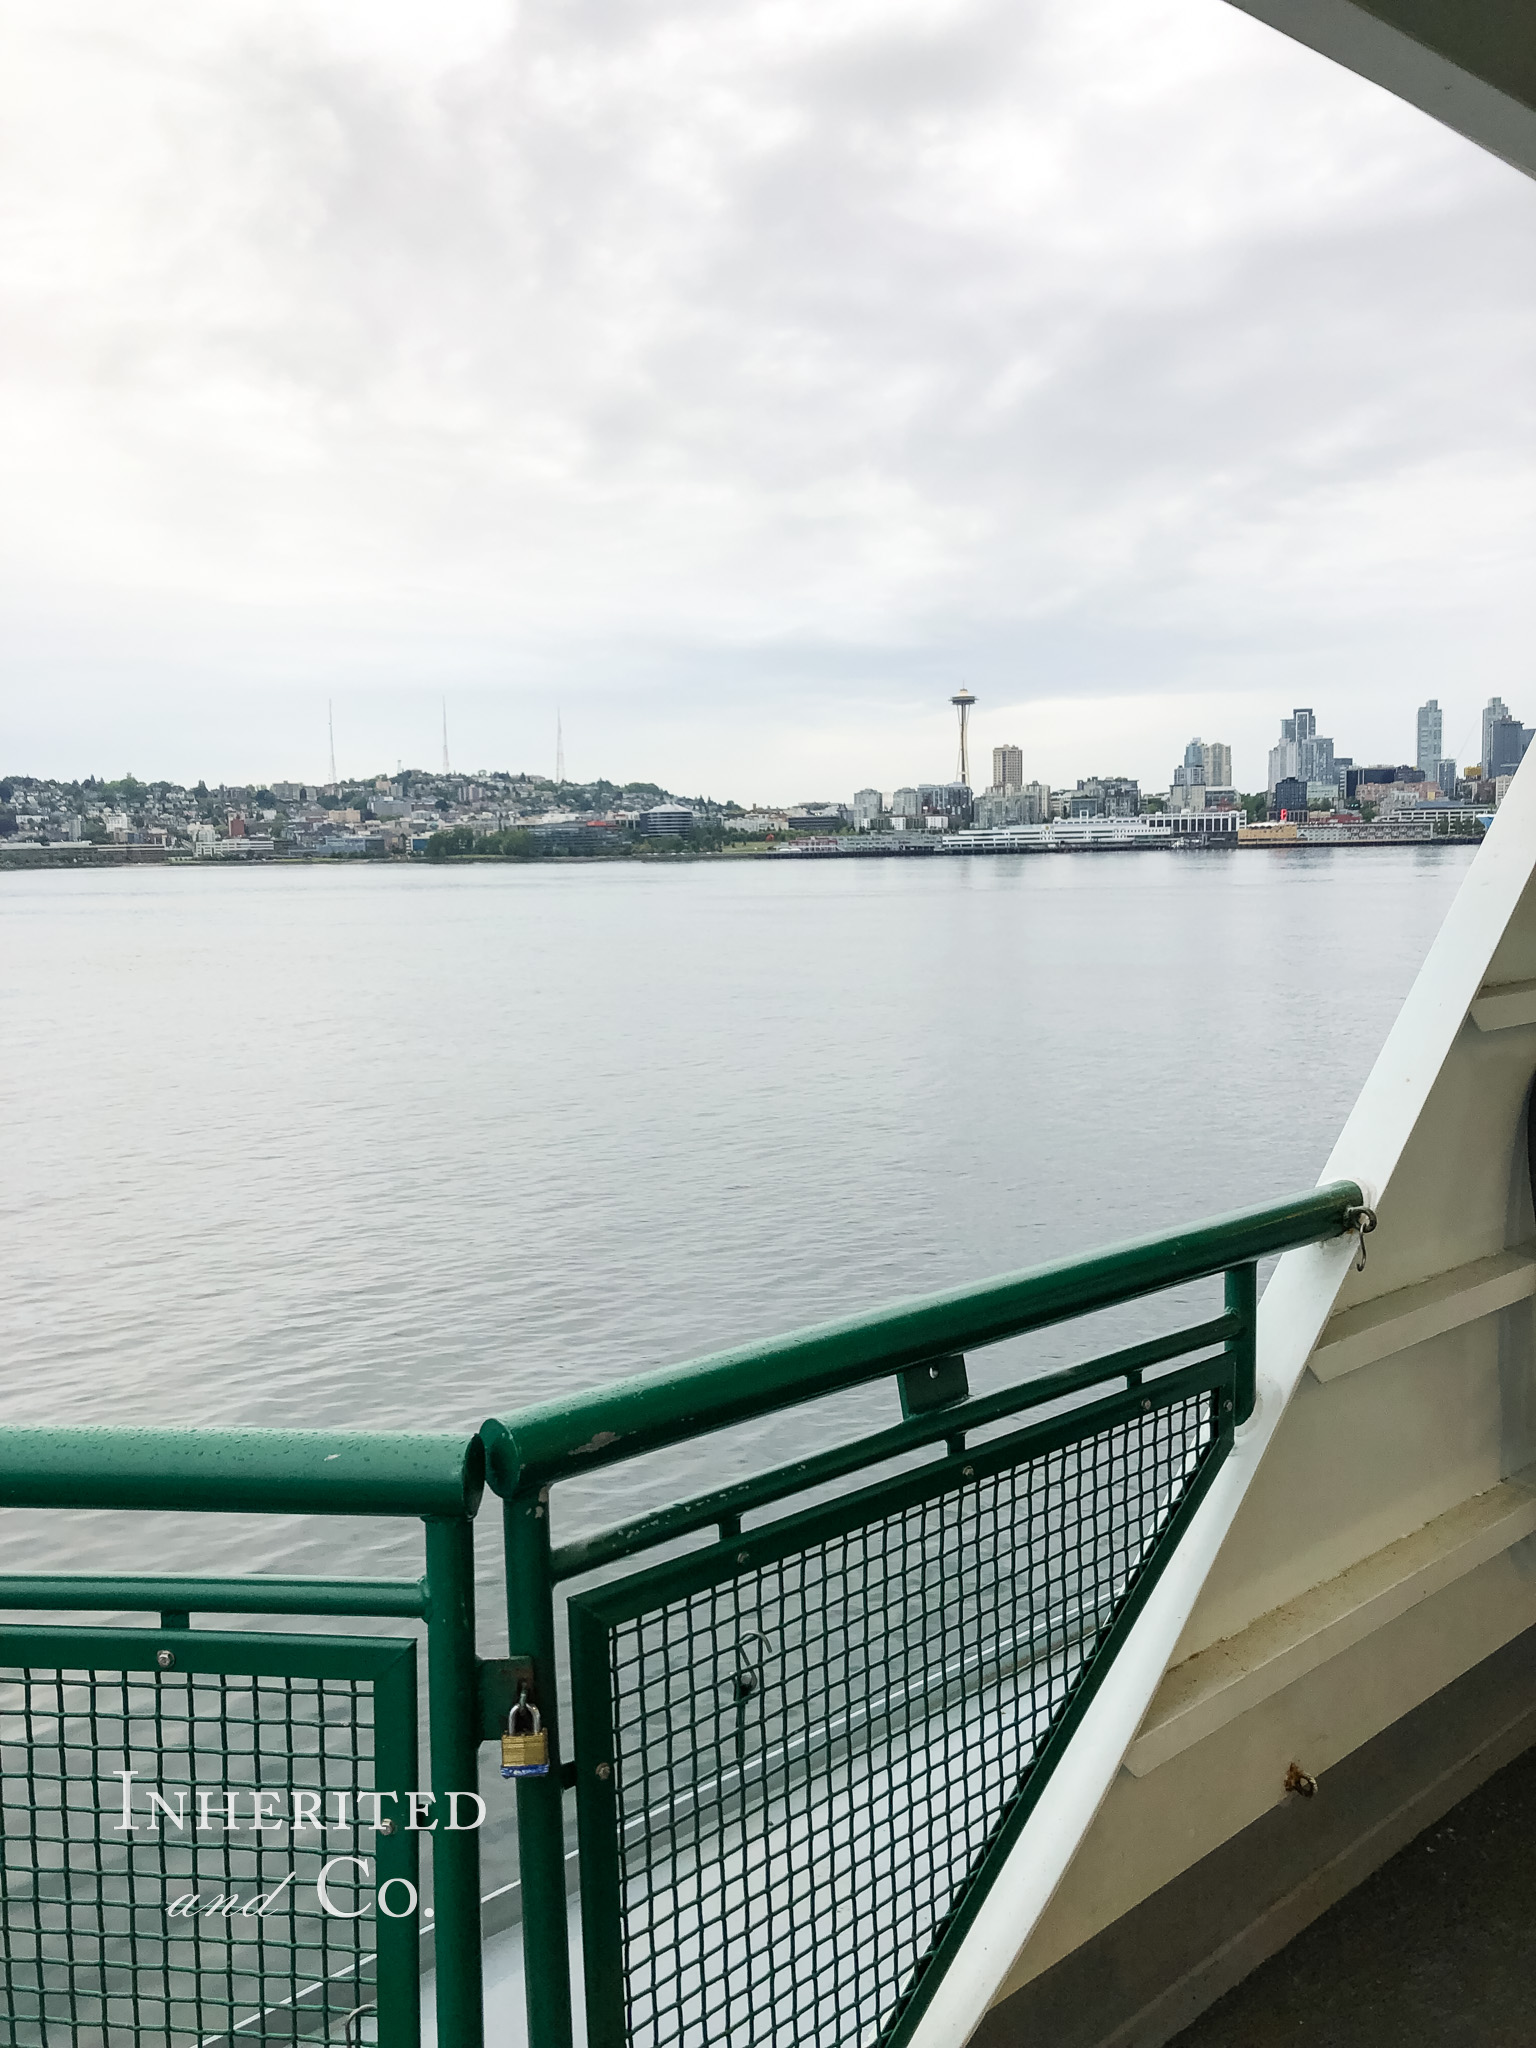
(56, 859)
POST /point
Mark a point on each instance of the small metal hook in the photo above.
(748, 1669)
(1362, 1222)
(744, 1683)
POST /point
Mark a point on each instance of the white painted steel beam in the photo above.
(1503, 1006)
(1412, 1315)
(1214, 1686)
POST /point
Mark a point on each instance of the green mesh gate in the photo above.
(797, 1751)
(214, 1930)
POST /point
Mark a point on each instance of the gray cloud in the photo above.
(741, 377)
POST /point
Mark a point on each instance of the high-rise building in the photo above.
(1493, 710)
(1007, 768)
(1504, 746)
(1302, 752)
(1207, 764)
(868, 809)
(1431, 743)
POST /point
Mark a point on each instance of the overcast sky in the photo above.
(741, 380)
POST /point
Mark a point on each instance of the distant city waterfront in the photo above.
(1314, 795)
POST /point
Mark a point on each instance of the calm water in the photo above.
(408, 1147)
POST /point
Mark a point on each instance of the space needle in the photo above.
(963, 700)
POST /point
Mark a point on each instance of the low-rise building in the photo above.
(667, 820)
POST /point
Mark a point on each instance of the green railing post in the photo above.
(396, 1763)
(454, 1708)
(540, 1801)
(1242, 1300)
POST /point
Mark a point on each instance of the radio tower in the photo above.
(559, 748)
(446, 769)
(330, 719)
(963, 700)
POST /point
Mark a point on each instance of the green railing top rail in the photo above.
(242, 1471)
(557, 1439)
(261, 1593)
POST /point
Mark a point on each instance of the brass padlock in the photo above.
(525, 1746)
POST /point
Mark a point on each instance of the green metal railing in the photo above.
(801, 1740)
(141, 1898)
(801, 1749)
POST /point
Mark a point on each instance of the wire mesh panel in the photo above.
(796, 1750)
(189, 1854)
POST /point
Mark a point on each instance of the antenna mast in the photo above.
(446, 769)
(330, 719)
(559, 748)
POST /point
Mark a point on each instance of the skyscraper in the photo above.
(1207, 764)
(1494, 710)
(1431, 745)
(1505, 748)
(1007, 767)
(1302, 751)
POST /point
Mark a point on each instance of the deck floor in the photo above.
(1438, 1947)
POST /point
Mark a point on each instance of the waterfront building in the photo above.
(1367, 784)
(670, 819)
(1007, 767)
(868, 810)
(998, 809)
(1197, 828)
(1290, 796)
